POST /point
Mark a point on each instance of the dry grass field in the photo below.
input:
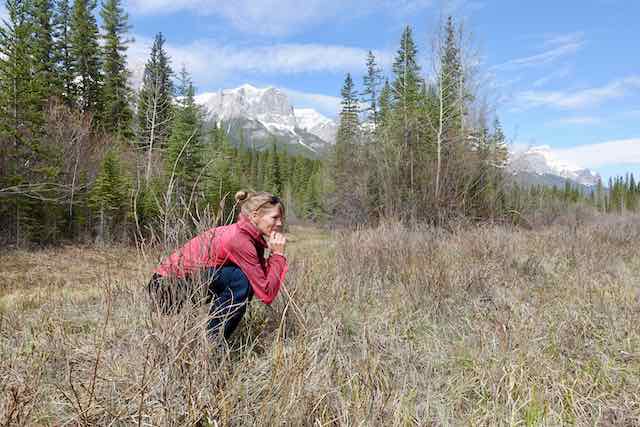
(483, 325)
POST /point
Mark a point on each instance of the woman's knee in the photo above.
(237, 282)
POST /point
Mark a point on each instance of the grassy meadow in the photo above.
(470, 325)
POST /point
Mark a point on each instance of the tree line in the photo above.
(83, 156)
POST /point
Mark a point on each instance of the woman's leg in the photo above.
(230, 293)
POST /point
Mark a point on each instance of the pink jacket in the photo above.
(240, 243)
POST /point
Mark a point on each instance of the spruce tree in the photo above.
(407, 82)
(184, 148)
(108, 198)
(344, 163)
(116, 93)
(155, 102)
(43, 48)
(451, 80)
(85, 52)
(371, 84)
(406, 94)
(63, 54)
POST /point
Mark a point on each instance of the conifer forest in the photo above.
(86, 157)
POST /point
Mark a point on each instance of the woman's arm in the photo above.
(265, 281)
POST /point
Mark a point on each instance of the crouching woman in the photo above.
(230, 262)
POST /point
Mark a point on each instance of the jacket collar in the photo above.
(247, 226)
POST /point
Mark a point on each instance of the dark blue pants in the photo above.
(229, 294)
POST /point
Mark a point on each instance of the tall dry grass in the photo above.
(472, 326)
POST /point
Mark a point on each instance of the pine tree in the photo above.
(406, 95)
(43, 48)
(452, 82)
(108, 198)
(370, 93)
(184, 148)
(406, 85)
(116, 93)
(344, 164)
(273, 172)
(155, 102)
(85, 52)
(63, 54)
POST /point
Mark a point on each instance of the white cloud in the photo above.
(554, 75)
(556, 48)
(577, 99)
(325, 104)
(619, 152)
(276, 17)
(576, 120)
(210, 62)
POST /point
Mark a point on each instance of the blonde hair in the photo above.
(250, 202)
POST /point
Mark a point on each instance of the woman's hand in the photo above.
(276, 243)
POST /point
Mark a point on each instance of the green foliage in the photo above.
(109, 196)
(67, 89)
(85, 53)
(184, 160)
(117, 115)
(371, 83)
(155, 98)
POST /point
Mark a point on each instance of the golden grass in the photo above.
(474, 326)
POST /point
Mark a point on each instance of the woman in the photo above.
(230, 260)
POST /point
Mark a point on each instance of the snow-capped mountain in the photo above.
(541, 161)
(260, 114)
(315, 123)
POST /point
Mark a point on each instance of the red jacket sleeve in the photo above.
(265, 280)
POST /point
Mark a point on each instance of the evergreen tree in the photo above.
(85, 52)
(451, 81)
(406, 85)
(116, 93)
(109, 196)
(155, 102)
(63, 54)
(344, 163)
(385, 104)
(370, 93)
(406, 95)
(184, 148)
(273, 172)
(43, 48)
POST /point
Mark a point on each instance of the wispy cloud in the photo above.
(555, 48)
(550, 77)
(577, 99)
(576, 120)
(276, 17)
(327, 105)
(210, 62)
(618, 152)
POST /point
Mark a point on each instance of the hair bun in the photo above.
(241, 196)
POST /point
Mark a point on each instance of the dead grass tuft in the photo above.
(486, 325)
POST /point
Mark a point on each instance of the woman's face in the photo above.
(268, 220)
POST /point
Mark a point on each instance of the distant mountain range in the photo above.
(537, 165)
(262, 115)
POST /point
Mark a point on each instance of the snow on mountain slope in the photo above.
(316, 124)
(541, 160)
(270, 106)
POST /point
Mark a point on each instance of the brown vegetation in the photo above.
(485, 325)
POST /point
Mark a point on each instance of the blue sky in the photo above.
(562, 73)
